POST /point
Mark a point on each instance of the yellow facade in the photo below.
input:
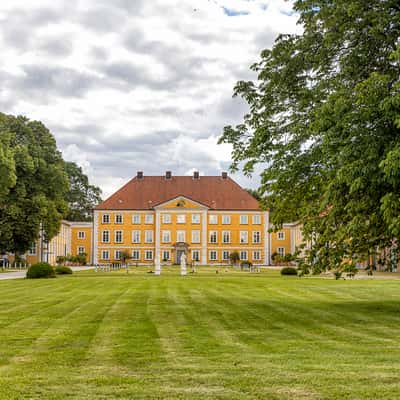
(81, 239)
(180, 225)
(281, 241)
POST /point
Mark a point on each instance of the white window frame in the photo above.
(166, 219)
(243, 255)
(119, 219)
(197, 253)
(257, 255)
(108, 236)
(181, 235)
(166, 253)
(196, 218)
(256, 219)
(244, 219)
(212, 254)
(181, 218)
(32, 250)
(81, 250)
(244, 237)
(256, 237)
(146, 255)
(226, 219)
(166, 236)
(226, 255)
(136, 219)
(196, 236)
(149, 219)
(149, 236)
(224, 234)
(118, 254)
(213, 219)
(115, 236)
(136, 236)
(281, 235)
(81, 234)
(136, 255)
(104, 218)
(213, 237)
(105, 254)
(281, 251)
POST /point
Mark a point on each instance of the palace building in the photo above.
(158, 218)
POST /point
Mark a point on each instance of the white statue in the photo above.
(183, 264)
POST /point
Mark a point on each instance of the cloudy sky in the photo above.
(128, 85)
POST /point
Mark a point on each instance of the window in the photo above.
(195, 218)
(118, 237)
(106, 218)
(148, 255)
(149, 219)
(256, 237)
(118, 254)
(118, 219)
(281, 235)
(181, 219)
(148, 236)
(135, 236)
(281, 251)
(180, 236)
(244, 219)
(243, 255)
(105, 255)
(166, 218)
(81, 235)
(195, 236)
(226, 219)
(105, 236)
(213, 236)
(165, 255)
(195, 255)
(32, 250)
(213, 255)
(256, 219)
(213, 219)
(135, 255)
(226, 237)
(256, 256)
(166, 236)
(244, 237)
(81, 250)
(136, 219)
(225, 255)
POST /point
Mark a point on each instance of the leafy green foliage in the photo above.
(288, 271)
(81, 196)
(63, 270)
(325, 118)
(234, 257)
(40, 270)
(35, 183)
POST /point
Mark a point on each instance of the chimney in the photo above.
(168, 175)
(139, 175)
(224, 175)
(196, 175)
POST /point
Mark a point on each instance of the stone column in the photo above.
(95, 239)
(267, 239)
(157, 259)
(204, 238)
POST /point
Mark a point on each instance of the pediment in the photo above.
(181, 203)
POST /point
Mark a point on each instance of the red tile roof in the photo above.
(212, 191)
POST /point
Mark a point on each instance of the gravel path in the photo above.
(22, 274)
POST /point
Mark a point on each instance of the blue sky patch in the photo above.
(234, 13)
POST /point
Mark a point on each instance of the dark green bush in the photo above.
(246, 264)
(61, 270)
(288, 271)
(40, 270)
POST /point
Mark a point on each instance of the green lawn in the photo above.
(208, 336)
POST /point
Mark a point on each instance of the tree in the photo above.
(325, 117)
(36, 183)
(81, 196)
(8, 177)
(255, 193)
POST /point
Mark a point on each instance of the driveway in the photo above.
(22, 274)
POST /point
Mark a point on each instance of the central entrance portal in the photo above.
(180, 248)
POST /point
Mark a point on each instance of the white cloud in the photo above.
(135, 85)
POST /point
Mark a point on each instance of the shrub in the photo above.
(288, 271)
(61, 260)
(234, 257)
(246, 264)
(40, 270)
(61, 270)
